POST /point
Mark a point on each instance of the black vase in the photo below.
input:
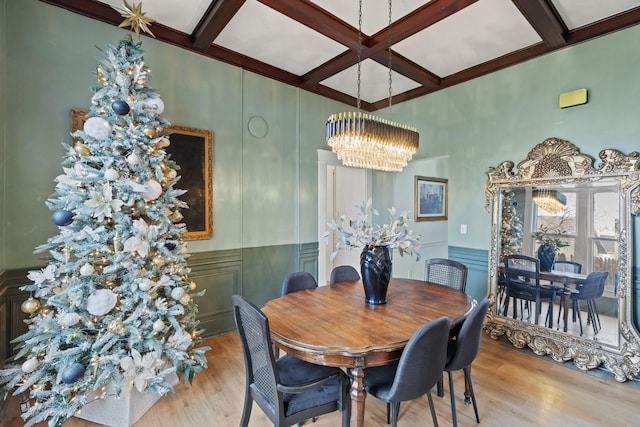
(375, 266)
(547, 257)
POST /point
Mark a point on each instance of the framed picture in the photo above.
(431, 199)
(192, 150)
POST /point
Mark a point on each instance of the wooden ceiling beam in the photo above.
(544, 18)
(213, 22)
(408, 68)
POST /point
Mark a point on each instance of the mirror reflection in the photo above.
(559, 254)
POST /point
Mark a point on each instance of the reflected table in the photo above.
(334, 326)
(566, 278)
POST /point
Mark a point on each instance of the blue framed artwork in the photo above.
(431, 199)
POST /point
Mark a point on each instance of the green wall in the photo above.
(3, 114)
(503, 115)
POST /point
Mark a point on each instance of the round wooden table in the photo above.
(334, 326)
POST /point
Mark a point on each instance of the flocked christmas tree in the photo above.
(511, 233)
(114, 306)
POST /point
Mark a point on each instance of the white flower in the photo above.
(180, 340)
(139, 241)
(138, 369)
(39, 277)
(104, 203)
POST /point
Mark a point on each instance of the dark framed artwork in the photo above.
(192, 150)
(431, 199)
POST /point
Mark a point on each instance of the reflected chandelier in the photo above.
(551, 201)
(363, 141)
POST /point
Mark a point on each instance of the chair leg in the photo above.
(246, 411)
(440, 388)
(388, 413)
(395, 408)
(453, 400)
(579, 315)
(433, 411)
(467, 377)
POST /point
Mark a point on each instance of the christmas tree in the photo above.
(114, 306)
(511, 231)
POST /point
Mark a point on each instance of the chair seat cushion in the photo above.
(378, 380)
(296, 372)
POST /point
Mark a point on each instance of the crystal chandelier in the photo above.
(551, 201)
(364, 141)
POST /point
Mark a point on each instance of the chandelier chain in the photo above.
(359, 50)
(390, 81)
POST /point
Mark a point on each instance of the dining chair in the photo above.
(462, 350)
(298, 281)
(523, 284)
(343, 273)
(446, 272)
(414, 375)
(588, 291)
(288, 390)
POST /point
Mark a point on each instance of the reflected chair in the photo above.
(417, 371)
(298, 281)
(446, 272)
(462, 350)
(343, 273)
(523, 284)
(288, 390)
(569, 267)
(588, 291)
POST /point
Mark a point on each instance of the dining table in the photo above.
(333, 325)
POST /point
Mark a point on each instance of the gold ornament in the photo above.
(115, 326)
(31, 305)
(135, 18)
(177, 217)
(149, 132)
(192, 285)
(158, 261)
(81, 150)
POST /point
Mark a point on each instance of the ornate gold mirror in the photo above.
(561, 255)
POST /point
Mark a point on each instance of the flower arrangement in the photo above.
(359, 232)
(551, 241)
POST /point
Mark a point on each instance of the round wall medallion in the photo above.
(258, 127)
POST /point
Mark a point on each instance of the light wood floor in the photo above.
(513, 388)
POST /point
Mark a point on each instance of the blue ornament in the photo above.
(120, 107)
(72, 373)
(62, 217)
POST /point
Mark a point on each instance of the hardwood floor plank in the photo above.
(513, 388)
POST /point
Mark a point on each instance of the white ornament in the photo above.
(30, 365)
(111, 174)
(68, 319)
(155, 190)
(145, 284)
(155, 105)
(177, 293)
(101, 302)
(133, 159)
(98, 128)
(158, 325)
(86, 270)
(185, 299)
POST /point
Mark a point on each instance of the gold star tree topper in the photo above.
(135, 18)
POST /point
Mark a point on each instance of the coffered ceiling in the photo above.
(314, 44)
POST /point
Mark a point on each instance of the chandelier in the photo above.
(551, 201)
(364, 141)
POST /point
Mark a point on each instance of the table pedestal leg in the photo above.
(467, 391)
(358, 393)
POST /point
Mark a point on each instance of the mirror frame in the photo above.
(553, 162)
